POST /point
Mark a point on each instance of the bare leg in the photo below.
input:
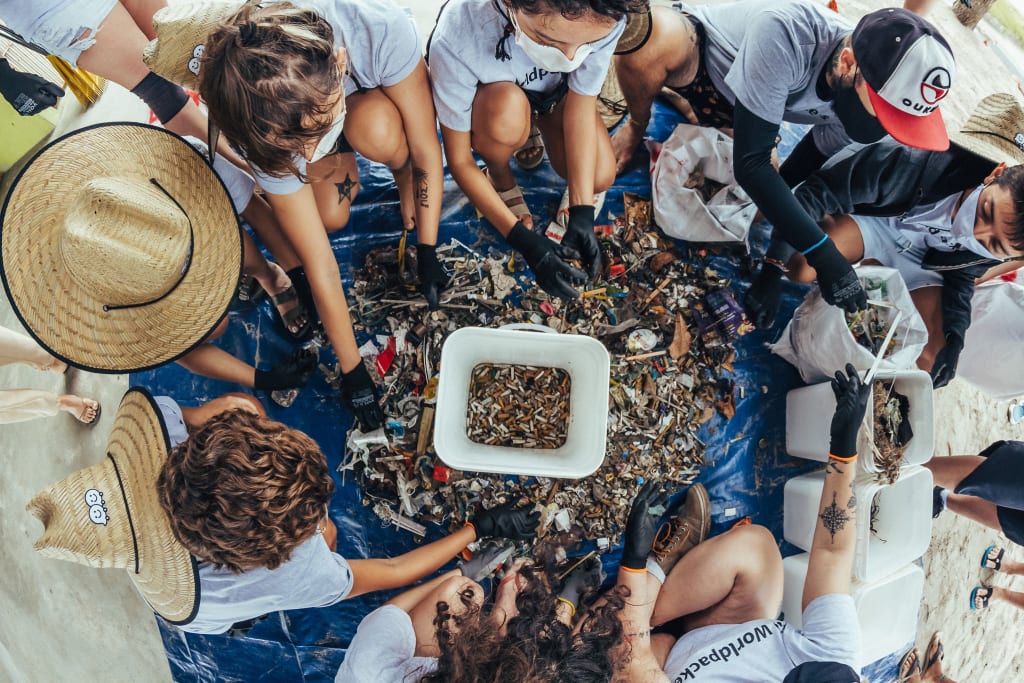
(82, 409)
(1010, 567)
(500, 125)
(270, 276)
(554, 140)
(1015, 598)
(844, 232)
(928, 302)
(264, 223)
(921, 8)
(335, 188)
(949, 471)
(424, 612)
(975, 509)
(216, 363)
(728, 579)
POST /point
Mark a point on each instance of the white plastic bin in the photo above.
(584, 358)
(809, 413)
(887, 609)
(903, 523)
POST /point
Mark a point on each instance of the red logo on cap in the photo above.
(935, 85)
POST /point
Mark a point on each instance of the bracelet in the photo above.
(571, 606)
(641, 126)
(849, 459)
(778, 263)
(642, 570)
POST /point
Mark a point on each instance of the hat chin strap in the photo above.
(1016, 143)
(128, 511)
(184, 266)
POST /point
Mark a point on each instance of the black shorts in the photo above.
(710, 106)
(545, 103)
(1000, 480)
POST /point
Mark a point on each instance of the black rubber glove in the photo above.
(579, 235)
(507, 522)
(761, 302)
(944, 367)
(27, 93)
(291, 374)
(851, 403)
(839, 284)
(547, 261)
(584, 579)
(642, 525)
(433, 279)
(359, 395)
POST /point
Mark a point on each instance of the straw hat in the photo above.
(109, 515)
(995, 130)
(181, 32)
(636, 33)
(120, 249)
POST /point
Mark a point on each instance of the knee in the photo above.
(501, 114)
(336, 217)
(605, 175)
(378, 133)
(759, 543)
(236, 400)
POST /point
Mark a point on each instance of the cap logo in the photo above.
(97, 507)
(935, 85)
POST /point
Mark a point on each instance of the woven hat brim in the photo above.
(991, 129)
(637, 32)
(180, 28)
(69, 321)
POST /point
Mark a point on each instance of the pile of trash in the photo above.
(667, 321)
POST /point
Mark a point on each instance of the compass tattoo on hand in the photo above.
(834, 518)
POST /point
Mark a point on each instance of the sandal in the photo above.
(934, 652)
(993, 563)
(531, 154)
(979, 601)
(513, 199)
(909, 665)
(249, 289)
(296, 330)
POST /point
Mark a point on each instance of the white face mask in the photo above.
(962, 230)
(329, 141)
(547, 57)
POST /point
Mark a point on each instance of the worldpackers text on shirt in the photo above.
(720, 655)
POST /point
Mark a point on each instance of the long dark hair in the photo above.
(536, 646)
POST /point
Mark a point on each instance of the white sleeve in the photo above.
(383, 649)
(589, 77)
(239, 184)
(399, 51)
(289, 184)
(770, 61)
(831, 632)
(453, 84)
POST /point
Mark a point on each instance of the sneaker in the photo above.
(937, 505)
(682, 533)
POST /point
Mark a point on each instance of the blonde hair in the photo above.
(271, 81)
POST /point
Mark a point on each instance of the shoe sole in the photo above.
(705, 509)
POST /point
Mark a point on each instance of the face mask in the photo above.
(329, 141)
(549, 58)
(962, 230)
(860, 125)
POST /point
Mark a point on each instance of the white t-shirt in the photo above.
(240, 185)
(382, 650)
(462, 55)
(769, 56)
(766, 650)
(312, 577)
(383, 48)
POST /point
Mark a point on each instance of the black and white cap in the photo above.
(909, 68)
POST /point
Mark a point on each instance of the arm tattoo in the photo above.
(346, 188)
(833, 467)
(421, 186)
(834, 518)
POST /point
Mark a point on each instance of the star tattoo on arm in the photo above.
(834, 518)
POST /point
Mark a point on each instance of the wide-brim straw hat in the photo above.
(636, 33)
(182, 30)
(120, 249)
(109, 515)
(995, 130)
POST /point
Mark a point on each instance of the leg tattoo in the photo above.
(345, 188)
(421, 186)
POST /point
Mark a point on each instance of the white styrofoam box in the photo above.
(809, 413)
(903, 522)
(887, 608)
(584, 358)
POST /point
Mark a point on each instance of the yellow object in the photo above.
(21, 133)
(85, 86)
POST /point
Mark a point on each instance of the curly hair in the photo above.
(536, 647)
(243, 491)
(1013, 180)
(271, 81)
(574, 9)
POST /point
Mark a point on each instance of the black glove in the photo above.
(433, 279)
(839, 285)
(579, 235)
(291, 374)
(506, 522)
(851, 402)
(761, 302)
(584, 579)
(27, 93)
(642, 525)
(547, 261)
(944, 367)
(359, 395)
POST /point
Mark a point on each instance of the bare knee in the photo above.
(501, 114)
(378, 133)
(237, 400)
(336, 217)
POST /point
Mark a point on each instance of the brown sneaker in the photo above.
(683, 532)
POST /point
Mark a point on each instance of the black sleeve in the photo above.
(957, 292)
(752, 163)
(804, 160)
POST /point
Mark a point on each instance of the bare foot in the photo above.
(58, 367)
(275, 287)
(624, 143)
(85, 410)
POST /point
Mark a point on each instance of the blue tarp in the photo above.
(746, 463)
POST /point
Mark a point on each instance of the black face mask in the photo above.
(860, 125)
